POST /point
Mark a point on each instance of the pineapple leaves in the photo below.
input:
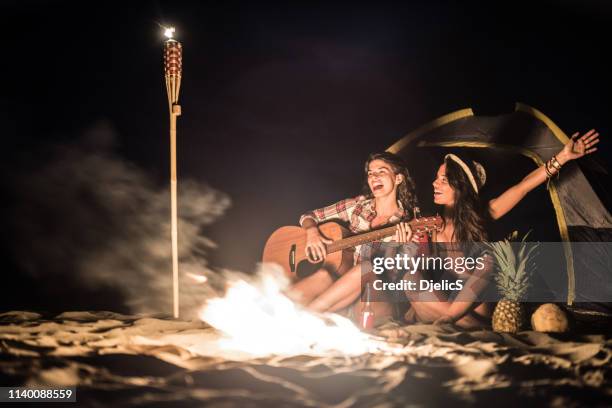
(514, 265)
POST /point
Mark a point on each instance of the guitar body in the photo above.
(287, 247)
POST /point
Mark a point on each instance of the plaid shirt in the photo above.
(358, 212)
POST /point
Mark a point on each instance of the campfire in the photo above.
(257, 318)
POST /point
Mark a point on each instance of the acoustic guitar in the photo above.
(286, 246)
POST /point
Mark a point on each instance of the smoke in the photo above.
(95, 229)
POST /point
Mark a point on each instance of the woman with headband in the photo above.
(456, 188)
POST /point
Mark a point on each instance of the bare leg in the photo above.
(346, 301)
(428, 312)
(479, 317)
(427, 306)
(469, 321)
(310, 287)
(349, 285)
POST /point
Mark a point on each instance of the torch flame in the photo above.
(169, 32)
(258, 319)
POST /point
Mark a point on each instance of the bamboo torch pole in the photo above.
(173, 58)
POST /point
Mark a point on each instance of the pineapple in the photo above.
(508, 316)
(512, 280)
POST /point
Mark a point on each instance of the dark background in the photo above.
(282, 102)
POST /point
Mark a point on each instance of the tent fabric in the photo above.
(530, 133)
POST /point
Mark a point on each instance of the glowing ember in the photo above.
(257, 318)
(197, 278)
(169, 32)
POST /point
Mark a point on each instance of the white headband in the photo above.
(482, 176)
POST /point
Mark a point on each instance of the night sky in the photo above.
(282, 102)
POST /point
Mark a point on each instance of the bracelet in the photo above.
(555, 162)
(549, 174)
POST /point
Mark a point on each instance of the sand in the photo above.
(152, 361)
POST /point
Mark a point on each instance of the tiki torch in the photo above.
(173, 58)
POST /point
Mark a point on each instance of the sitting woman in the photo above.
(456, 188)
(390, 198)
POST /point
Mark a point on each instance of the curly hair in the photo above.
(405, 190)
(468, 212)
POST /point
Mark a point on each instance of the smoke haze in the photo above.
(91, 230)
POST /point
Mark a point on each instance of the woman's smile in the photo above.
(443, 192)
(381, 178)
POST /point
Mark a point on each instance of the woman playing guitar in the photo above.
(390, 198)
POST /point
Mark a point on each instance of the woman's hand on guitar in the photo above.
(315, 245)
(404, 233)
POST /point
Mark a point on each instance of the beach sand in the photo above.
(152, 361)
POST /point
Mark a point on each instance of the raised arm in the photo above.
(575, 148)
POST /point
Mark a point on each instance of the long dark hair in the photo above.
(468, 214)
(405, 190)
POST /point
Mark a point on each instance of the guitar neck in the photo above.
(361, 239)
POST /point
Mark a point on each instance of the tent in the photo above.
(513, 144)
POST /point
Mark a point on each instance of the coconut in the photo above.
(549, 318)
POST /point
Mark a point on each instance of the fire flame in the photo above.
(169, 32)
(258, 319)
